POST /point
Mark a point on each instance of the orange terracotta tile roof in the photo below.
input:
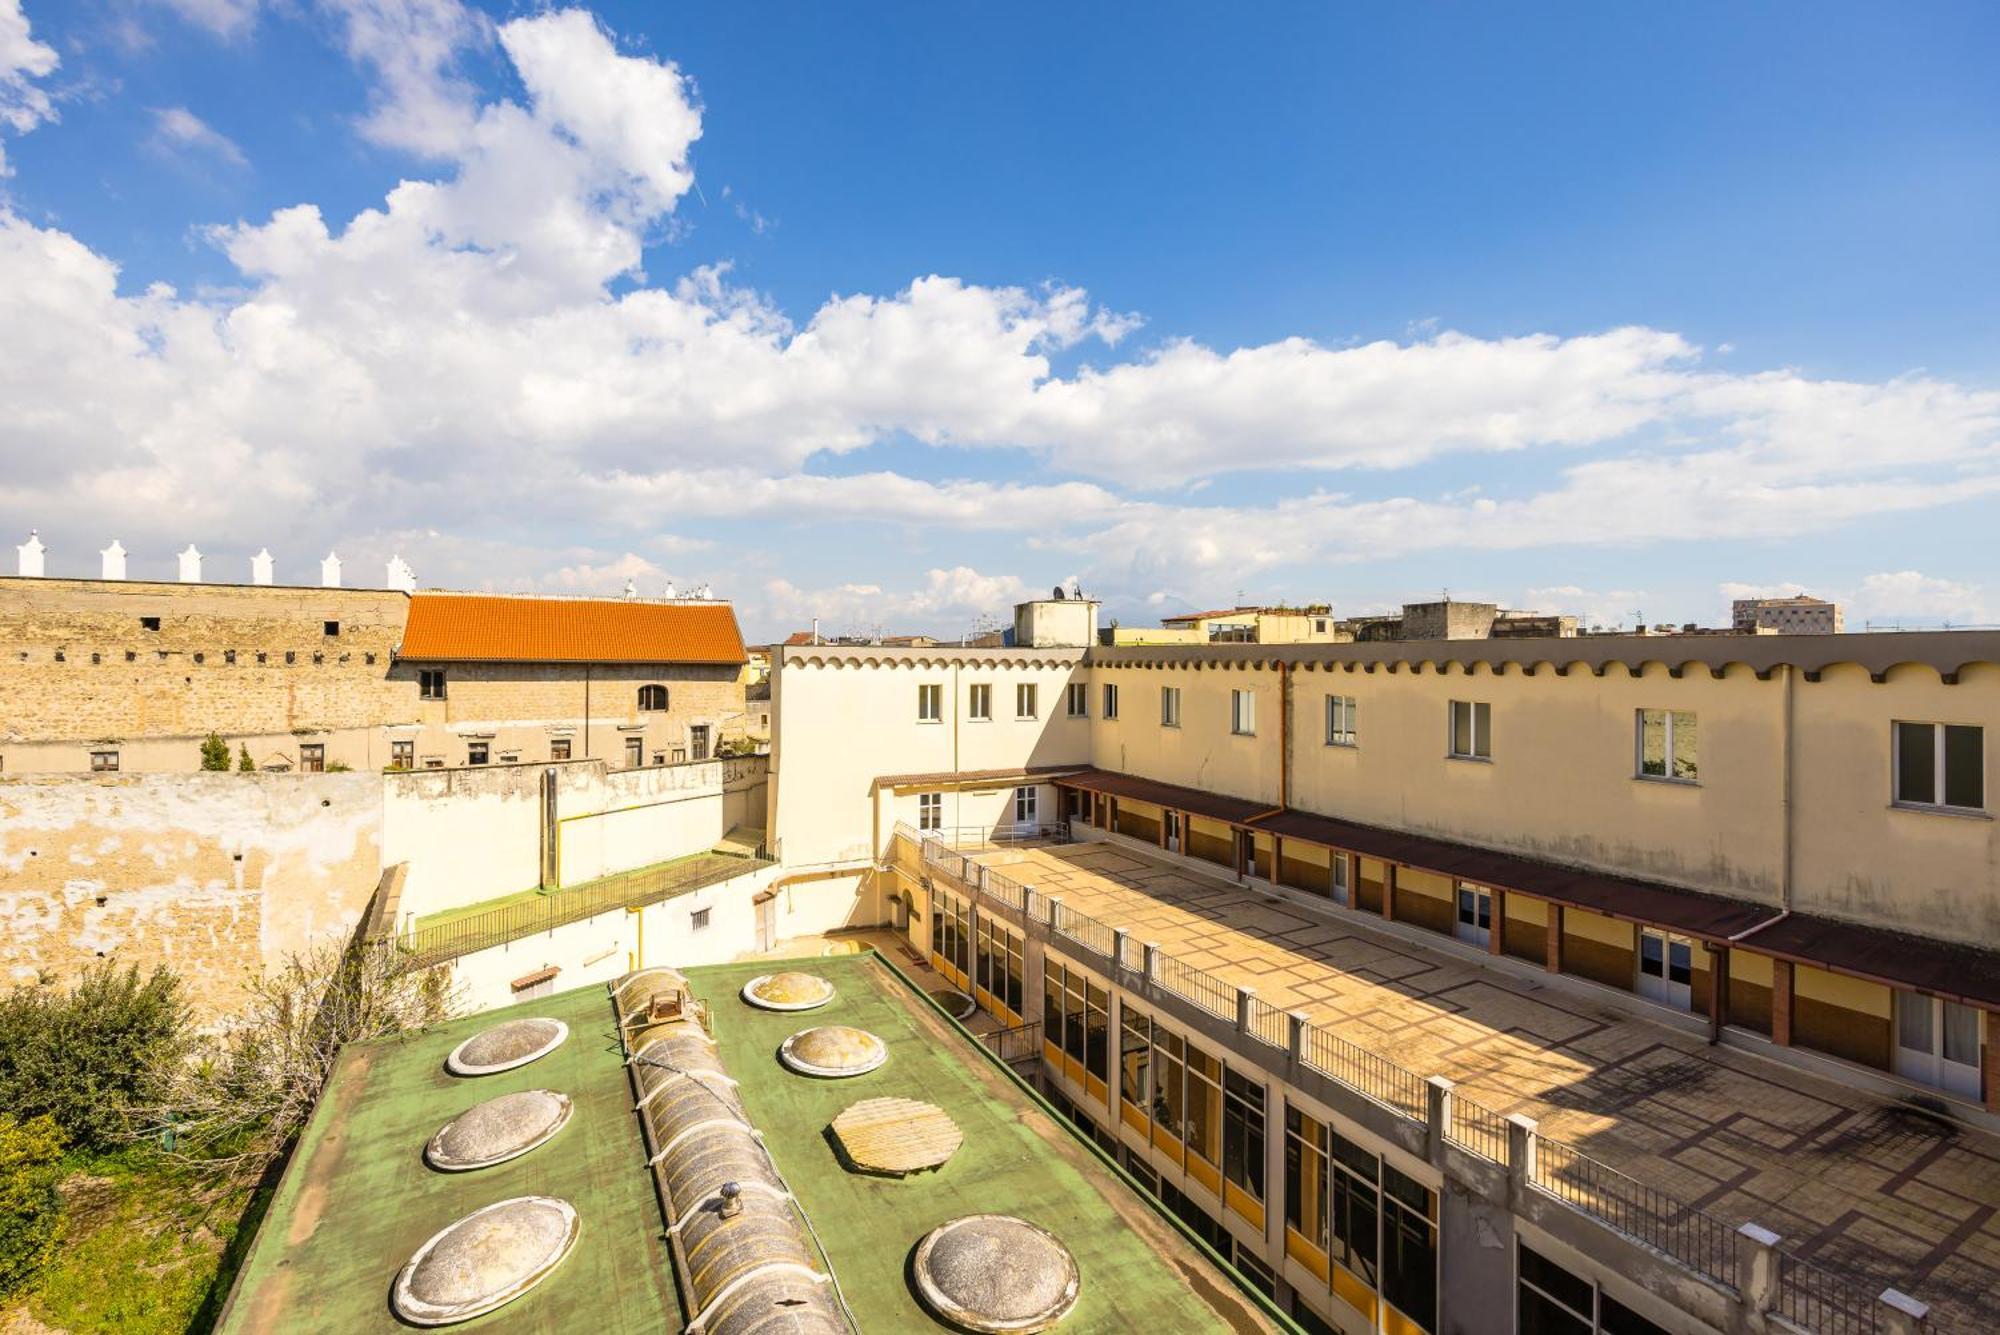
(467, 627)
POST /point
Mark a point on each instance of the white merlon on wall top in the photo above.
(400, 575)
(190, 565)
(329, 571)
(32, 553)
(113, 558)
(260, 566)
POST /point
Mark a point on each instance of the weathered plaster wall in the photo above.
(215, 875)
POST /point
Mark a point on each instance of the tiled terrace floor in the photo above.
(1878, 1193)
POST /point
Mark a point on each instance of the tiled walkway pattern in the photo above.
(1879, 1193)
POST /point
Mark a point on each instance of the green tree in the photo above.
(30, 1206)
(243, 762)
(82, 1056)
(214, 753)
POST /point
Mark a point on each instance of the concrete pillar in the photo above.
(1295, 1036)
(1554, 946)
(1118, 937)
(1244, 996)
(112, 561)
(1277, 860)
(1522, 1150)
(32, 555)
(1781, 1003)
(1718, 992)
(1055, 903)
(1438, 1093)
(1389, 891)
(1152, 949)
(1757, 1270)
(1901, 1314)
(1496, 939)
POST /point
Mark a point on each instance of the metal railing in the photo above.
(993, 836)
(1808, 1297)
(1022, 1042)
(1819, 1300)
(1698, 1240)
(1478, 1129)
(544, 912)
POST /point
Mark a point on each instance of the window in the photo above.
(329, 628)
(1667, 745)
(979, 701)
(1078, 697)
(698, 920)
(1340, 720)
(1169, 1082)
(433, 762)
(1549, 1300)
(951, 941)
(1940, 765)
(149, 623)
(1135, 1067)
(1471, 730)
(312, 758)
(1204, 1107)
(635, 752)
(476, 753)
(1409, 1247)
(652, 699)
(1024, 700)
(1305, 1177)
(997, 967)
(430, 683)
(1110, 700)
(402, 755)
(1356, 1210)
(698, 741)
(659, 757)
(930, 811)
(1096, 1031)
(1026, 804)
(104, 762)
(1170, 706)
(930, 703)
(1243, 713)
(559, 748)
(1243, 1132)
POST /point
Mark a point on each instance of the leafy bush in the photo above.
(30, 1206)
(214, 753)
(244, 765)
(82, 1056)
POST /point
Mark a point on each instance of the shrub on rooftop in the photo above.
(80, 1055)
(214, 753)
(244, 765)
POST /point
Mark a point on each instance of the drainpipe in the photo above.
(1284, 734)
(1785, 813)
(586, 711)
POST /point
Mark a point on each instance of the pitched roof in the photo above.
(470, 627)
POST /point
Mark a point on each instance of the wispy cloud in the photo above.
(176, 131)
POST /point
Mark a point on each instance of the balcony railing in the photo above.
(1808, 1297)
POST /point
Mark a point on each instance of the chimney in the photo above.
(31, 555)
(260, 566)
(190, 566)
(113, 558)
(329, 571)
(671, 593)
(400, 576)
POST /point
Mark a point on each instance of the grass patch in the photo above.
(143, 1243)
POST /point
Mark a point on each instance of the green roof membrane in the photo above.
(1138, 1273)
(358, 1200)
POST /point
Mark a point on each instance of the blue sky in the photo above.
(890, 314)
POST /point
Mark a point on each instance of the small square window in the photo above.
(930, 703)
(430, 683)
(930, 811)
(1025, 702)
(312, 759)
(1078, 695)
(476, 753)
(104, 762)
(698, 920)
(979, 701)
(1471, 736)
(149, 623)
(401, 754)
(329, 627)
(559, 748)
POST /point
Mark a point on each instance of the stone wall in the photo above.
(218, 876)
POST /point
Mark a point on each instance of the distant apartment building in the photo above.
(1447, 619)
(1797, 615)
(116, 675)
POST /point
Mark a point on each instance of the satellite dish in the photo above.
(1059, 593)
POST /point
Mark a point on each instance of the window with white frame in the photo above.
(930, 703)
(979, 701)
(1078, 695)
(1026, 805)
(1471, 730)
(1667, 745)
(1024, 700)
(1340, 720)
(1940, 765)
(930, 811)
(1110, 700)
(1170, 706)
(1243, 713)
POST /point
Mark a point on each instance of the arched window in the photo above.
(652, 699)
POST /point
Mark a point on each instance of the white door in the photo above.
(767, 923)
(1173, 831)
(1026, 806)
(1937, 1042)
(1475, 914)
(1336, 875)
(1666, 968)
